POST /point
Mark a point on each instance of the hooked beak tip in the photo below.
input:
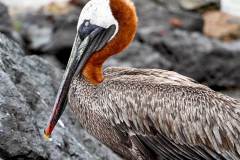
(47, 135)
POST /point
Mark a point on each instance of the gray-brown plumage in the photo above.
(158, 114)
(142, 114)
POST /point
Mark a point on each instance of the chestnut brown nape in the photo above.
(125, 13)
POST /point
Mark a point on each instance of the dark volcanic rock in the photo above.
(65, 29)
(5, 21)
(28, 85)
(233, 93)
(36, 30)
(141, 56)
(209, 61)
(189, 4)
(50, 33)
(152, 16)
(80, 3)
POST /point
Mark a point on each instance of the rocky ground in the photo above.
(28, 86)
(172, 35)
(34, 48)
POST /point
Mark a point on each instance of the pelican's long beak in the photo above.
(89, 39)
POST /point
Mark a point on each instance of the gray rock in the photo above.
(64, 32)
(6, 26)
(52, 59)
(153, 17)
(208, 61)
(141, 56)
(49, 34)
(80, 3)
(233, 93)
(5, 21)
(192, 5)
(28, 86)
(188, 4)
(36, 29)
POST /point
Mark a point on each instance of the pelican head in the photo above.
(105, 28)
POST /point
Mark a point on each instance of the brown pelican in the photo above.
(141, 114)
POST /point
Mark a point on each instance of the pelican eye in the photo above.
(86, 28)
(87, 23)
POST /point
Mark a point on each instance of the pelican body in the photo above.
(141, 114)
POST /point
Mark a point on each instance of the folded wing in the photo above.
(172, 115)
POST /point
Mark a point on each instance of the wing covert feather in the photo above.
(172, 114)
